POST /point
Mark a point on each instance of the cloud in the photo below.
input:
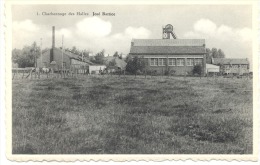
(205, 28)
(235, 42)
(90, 33)
(114, 42)
(93, 27)
(24, 33)
(25, 26)
(65, 32)
(140, 32)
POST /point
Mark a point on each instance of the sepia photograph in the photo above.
(132, 79)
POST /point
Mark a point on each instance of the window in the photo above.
(154, 61)
(164, 61)
(197, 61)
(190, 62)
(64, 64)
(243, 66)
(180, 62)
(161, 61)
(172, 61)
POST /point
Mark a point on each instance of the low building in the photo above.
(115, 62)
(59, 59)
(212, 69)
(170, 55)
(231, 65)
(96, 69)
(53, 56)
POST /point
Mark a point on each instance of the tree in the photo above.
(221, 54)
(75, 50)
(128, 58)
(99, 57)
(27, 56)
(134, 65)
(208, 56)
(116, 54)
(215, 53)
(86, 53)
(197, 70)
(120, 56)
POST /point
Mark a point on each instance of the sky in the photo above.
(228, 27)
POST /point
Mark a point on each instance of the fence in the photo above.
(37, 73)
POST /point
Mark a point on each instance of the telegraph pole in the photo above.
(41, 53)
(62, 74)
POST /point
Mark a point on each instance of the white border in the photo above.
(8, 88)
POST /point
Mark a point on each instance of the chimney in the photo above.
(53, 44)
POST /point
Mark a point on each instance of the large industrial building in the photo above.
(172, 55)
(55, 58)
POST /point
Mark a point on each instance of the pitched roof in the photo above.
(167, 50)
(118, 62)
(168, 42)
(230, 61)
(74, 56)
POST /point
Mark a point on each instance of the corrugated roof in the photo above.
(167, 50)
(230, 61)
(168, 42)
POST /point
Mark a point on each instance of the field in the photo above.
(117, 115)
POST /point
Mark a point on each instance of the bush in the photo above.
(135, 65)
(197, 70)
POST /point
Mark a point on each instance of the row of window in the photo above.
(235, 66)
(175, 62)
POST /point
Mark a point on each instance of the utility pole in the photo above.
(62, 74)
(41, 53)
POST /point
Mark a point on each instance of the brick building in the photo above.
(173, 55)
(69, 59)
(232, 65)
(54, 56)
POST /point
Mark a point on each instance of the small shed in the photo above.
(212, 68)
(95, 69)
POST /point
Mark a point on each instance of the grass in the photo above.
(112, 115)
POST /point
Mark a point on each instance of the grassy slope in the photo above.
(132, 116)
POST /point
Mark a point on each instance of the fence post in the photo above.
(162, 72)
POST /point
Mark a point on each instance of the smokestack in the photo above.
(53, 44)
(53, 37)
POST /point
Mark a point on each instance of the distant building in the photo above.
(172, 55)
(212, 69)
(232, 66)
(96, 69)
(118, 63)
(54, 56)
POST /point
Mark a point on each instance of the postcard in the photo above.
(122, 81)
